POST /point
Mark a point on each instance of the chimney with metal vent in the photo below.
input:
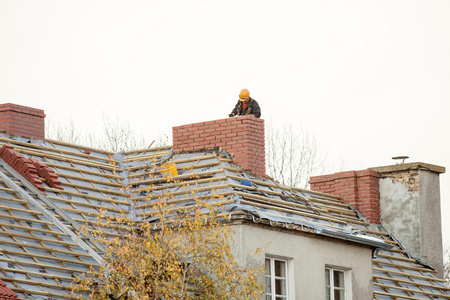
(404, 197)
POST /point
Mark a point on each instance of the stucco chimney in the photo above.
(405, 198)
(243, 137)
(22, 121)
(410, 205)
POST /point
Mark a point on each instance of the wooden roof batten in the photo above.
(44, 211)
(72, 163)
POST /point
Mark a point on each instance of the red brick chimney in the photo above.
(243, 137)
(405, 198)
(22, 121)
(358, 188)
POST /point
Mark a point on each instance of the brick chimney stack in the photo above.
(405, 198)
(243, 137)
(22, 121)
(357, 188)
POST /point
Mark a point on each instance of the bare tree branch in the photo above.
(292, 154)
(116, 136)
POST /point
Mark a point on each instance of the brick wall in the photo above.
(358, 188)
(408, 177)
(22, 121)
(243, 137)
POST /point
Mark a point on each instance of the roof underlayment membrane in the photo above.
(41, 251)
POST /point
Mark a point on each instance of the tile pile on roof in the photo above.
(6, 293)
(42, 249)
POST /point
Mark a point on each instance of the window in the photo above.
(335, 284)
(276, 279)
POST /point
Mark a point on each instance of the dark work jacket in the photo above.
(252, 108)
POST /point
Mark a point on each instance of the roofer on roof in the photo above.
(246, 105)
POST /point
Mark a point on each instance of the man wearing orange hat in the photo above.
(246, 105)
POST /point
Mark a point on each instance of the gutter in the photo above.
(350, 234)
(356, 238)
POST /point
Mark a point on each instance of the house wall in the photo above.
(307, 257)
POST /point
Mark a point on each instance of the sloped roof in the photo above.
(41, 249)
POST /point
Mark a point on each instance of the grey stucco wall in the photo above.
(307, 258)
(430, 211)
(414, 217)
(399, 209)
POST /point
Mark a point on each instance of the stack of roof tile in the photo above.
(6, 293)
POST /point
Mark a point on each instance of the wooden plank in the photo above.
(73, 160)
(91, 180)
(20, 147)
(50, 257)
(144, 157)
(220, 195)
(398, 258)
(147, 150)
(179, 161)
(420, 269)
(50, 250)
(81, 195)
(408, 274)
(42, 284)
(39, 292)
(184, 191)
(177, 183)
(29, 229)
(398, 297)
(283, 202)
(393, 287)
(21, 218)
(24, 195)
(85, 204)
(93, 188)
(155, 171)
(293, 210)
(78, 146)
(48, 275)
(59, 166)
(41, 265)
(412, 282)
(177, 178)
(8, 208)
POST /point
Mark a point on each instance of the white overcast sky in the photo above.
(370, 78)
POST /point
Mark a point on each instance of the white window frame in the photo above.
(272, 277)
(347, 282)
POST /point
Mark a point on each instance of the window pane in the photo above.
(327, 293)
(267, 266)
(280, 298)
(327, 277)
(268, 297)
(339, 294)
(268, 286)
(280, 268)
(338, 278)
(280, 287)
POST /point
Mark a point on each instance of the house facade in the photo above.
(318, 244)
